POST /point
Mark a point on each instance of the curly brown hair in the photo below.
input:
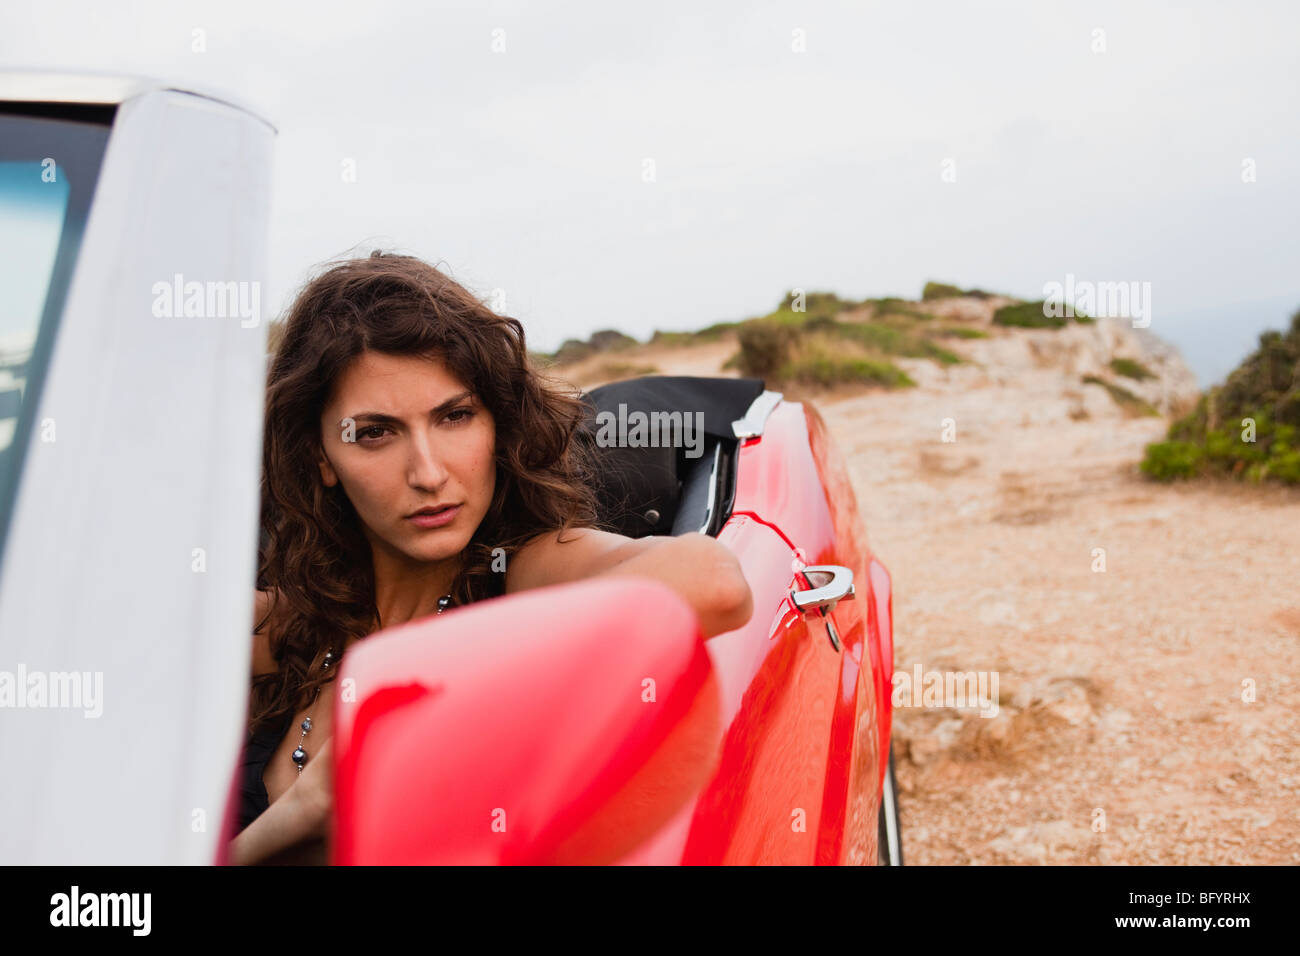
(315, 558)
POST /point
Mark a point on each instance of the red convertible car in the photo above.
(583, 723)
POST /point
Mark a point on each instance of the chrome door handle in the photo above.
(839, 587)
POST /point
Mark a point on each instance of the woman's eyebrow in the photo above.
(383, 419)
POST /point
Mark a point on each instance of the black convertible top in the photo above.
(639, 488)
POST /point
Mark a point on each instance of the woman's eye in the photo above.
(371, 432)
(460, 415)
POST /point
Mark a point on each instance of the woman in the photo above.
(413, 460)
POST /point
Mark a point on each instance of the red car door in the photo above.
(798, 486)
(778, 679)
(799, 777)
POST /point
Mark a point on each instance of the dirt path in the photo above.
(1122, 734)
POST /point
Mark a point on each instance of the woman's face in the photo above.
(417, 438)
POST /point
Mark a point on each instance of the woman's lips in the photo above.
(426, 520)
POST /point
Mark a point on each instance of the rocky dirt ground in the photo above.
(1149, 712)
(1121, 690)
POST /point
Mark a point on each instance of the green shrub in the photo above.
(1130, 368)
(608, 340)
(764, 348)
(1193, 425)
(893, 341)
(939, 290)
(710, 333)
(573, 350)
(1027, 315)
(828, 368)
(903, 310)
(1285, 466)
(672, 339)
(605, 340)
(794, 320)
(821, 351)
(1269, 379)
(1265, 389)
(827, 302)
(1130, 403)
(1217, 448)
(875, 336)
(1170, 460)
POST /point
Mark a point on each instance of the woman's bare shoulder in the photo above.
(557, 556)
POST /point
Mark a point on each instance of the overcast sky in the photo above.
(523, 168)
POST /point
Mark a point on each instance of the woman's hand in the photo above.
(314, 789)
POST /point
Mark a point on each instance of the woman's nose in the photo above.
(426, 468)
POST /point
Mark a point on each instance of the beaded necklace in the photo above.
(299, 755)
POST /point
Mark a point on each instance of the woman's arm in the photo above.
(301, 813)
(701, 569)
(281, 825)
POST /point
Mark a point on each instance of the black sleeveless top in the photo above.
(257, 754)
